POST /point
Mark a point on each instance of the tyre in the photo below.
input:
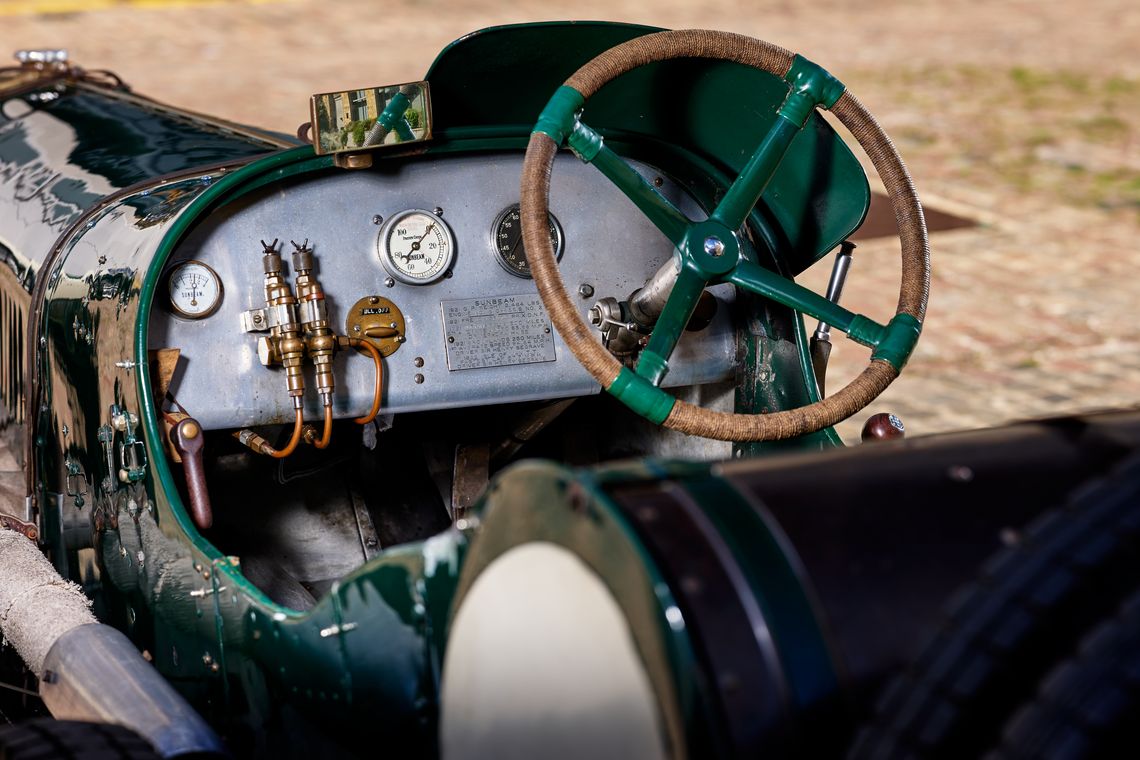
(47, 739)
(1089, 706)
(1027, 613)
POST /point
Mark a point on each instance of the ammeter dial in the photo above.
(506, 239)
(195, 290)
(416, 247)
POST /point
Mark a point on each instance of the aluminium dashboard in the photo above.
(609, 246)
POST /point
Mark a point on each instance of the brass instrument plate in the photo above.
(377, 319)
(497, 331)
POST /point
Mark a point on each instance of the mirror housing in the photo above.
(351, 121)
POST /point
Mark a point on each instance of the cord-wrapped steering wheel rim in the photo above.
(652, 402)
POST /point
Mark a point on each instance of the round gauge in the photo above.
(416, 247)
(195, 290)
(506, 239)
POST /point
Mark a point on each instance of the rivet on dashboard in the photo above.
(389, 282)
(437, 211)
(419, 378)
(450, 338)
(377, 219)
(658, 181)
(418, 361)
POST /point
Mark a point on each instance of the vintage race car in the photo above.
(316, 424)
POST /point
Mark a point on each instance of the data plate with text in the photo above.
(497, 331)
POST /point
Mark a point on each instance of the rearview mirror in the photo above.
(356, 120)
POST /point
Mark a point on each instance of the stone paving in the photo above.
(1021, 115)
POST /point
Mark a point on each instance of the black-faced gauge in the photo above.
(506, 239)
(195, 290)
(416, 247)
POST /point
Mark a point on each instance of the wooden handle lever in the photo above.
(186, 437)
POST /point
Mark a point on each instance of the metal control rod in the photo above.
(820, 344)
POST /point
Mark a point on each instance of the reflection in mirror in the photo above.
(370, 118)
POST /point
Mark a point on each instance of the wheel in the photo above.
(710, 251)
(1088, 706)
(47, 739)
(1026, 614)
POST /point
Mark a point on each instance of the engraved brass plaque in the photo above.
(497, 331)
(377, 319)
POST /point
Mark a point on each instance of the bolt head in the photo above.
(714, 247)
(585, 290)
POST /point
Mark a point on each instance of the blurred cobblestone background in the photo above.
(1020, 115)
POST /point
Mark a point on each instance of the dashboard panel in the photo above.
(477, 334)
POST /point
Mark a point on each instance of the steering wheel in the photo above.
(709, 251)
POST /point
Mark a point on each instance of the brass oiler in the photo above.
(319, 337)
(377, 320)
(285, 343)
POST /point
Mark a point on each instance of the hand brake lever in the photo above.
(187, 439)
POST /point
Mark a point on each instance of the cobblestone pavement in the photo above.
(1021, 115)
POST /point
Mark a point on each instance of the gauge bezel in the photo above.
(384, 252)
(175, 271)
(559, 246)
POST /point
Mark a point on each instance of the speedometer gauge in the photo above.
(416, 247)
(195, 290)
(506, 239)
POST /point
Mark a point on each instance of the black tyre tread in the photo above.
(1030, 605)
(47, 739)
(1088, 705)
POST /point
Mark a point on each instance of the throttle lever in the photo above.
(187, 439)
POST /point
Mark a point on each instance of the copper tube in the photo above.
(261, 446)
(293, 441)
(327, 435)
(367, 345)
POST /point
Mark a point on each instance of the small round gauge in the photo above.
(506, 239)
(195, 290)
(416, 247)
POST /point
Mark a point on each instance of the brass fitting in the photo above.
(320, 341)
(285, 343)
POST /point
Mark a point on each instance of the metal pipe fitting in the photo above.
(94, 673)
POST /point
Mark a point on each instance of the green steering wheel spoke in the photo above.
(653, 364)
(762, 282)
(589, 146)
(745, 192)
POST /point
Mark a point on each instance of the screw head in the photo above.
(714, 247)
(586, 290)
(437, 211)
(389, 282)
(377, 219)
(419, 378)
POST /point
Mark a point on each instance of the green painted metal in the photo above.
(793, 621)
(392, 117)
(812, 86)
(641, 396)
(560, 115)
(654, 361)
(538, 501)
(787, 292)
(589, 147)
(710, 109)
(899, 340)
(756, 174)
